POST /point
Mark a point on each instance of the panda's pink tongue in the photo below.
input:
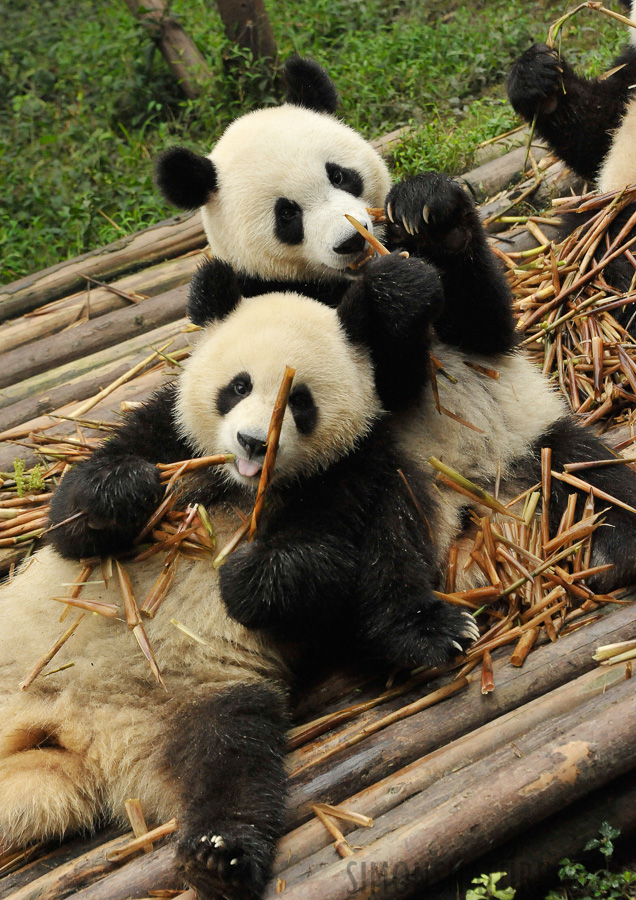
(247, 467)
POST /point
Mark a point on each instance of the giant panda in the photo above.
(210, 750)
(589, 123)
(273, 193)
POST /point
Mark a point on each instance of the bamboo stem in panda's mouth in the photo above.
(273, 437)
(366, 234)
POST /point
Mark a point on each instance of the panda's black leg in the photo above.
(574, 115)
(433, 217)
(226, 754)
(614, 541)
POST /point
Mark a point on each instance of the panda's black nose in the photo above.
(253, 444)
(353, 244)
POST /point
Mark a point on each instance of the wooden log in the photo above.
(531, 863)
(390, 792)
(557, 180)
(47, 381)
(186, 62)
(151, 872)
(452, 783)
(545, 669)
(494, 176)
(66, 878)
(96, 301)
(85, 386)
(167, 239)
(92, 336)
(108, 410)
(492, 805)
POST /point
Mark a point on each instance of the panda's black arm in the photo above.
(390, 310)
(575, 115)
(354, 553)
(117, 488)
(434, 218)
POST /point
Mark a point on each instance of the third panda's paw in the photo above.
(431, 210)
(534, 82)
(231, 861)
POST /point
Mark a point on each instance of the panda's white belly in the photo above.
(107, 662)
(511, 413)
(619, 167)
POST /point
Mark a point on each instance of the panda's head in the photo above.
(230, 383)
(275, 189)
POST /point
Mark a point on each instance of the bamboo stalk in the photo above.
(273, 437)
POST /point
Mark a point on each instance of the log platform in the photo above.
(428, 781)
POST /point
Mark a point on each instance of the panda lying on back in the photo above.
(589, 123)
(340, 541)
(273, 195)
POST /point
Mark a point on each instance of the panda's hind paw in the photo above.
(226, 862)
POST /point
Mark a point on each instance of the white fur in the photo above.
(512, 413)
(282, 152)
(77, 743)
(619, 166)
(262, 336)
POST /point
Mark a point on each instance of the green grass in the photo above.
(86, 101)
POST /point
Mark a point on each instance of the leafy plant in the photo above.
(26, 481)
(487, 888)
(580, 884)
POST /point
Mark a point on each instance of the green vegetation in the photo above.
(27, 481)
(579, 884)
(86, 101)
(576, 882)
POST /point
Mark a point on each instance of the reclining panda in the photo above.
(340, 546)
(588, 123)
(273, 194)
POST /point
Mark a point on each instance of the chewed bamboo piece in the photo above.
(273, 437)
(366, 234)
(168, 470)
(139, 843)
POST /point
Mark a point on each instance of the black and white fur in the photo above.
(284, 158)
(341, 545)
(589, 123)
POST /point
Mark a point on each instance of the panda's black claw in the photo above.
(433, 210)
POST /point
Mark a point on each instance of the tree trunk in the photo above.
(246, 24)
(179, 51)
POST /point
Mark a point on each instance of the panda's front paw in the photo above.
(101, 505)
(445, 633)
(243, 590)
(534, 82)
(431, 210)
(400, 292)
(232, 860)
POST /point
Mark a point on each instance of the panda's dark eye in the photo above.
(288, 221)
(241, 387)
(303, 408)
(345, 179)
(233, 392)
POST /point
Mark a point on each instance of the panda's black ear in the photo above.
(214, 292)
(309, 85)
(185, 178)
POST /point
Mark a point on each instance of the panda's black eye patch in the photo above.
(345, 179)
(303, 409)
(233, 392)
(288, 221)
